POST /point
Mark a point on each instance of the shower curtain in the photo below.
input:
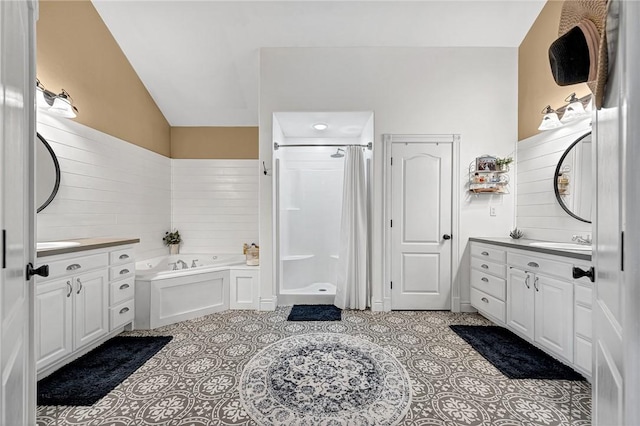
(352, 287)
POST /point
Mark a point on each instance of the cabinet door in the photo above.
(53, 321)
(554, 315)
(91, 292)
(243, 289)
(520, 301)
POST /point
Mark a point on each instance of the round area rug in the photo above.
(325, 379)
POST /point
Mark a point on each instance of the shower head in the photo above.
(338, 154)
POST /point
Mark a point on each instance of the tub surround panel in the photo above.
(538, 213)
(215, 204)
(109, 188)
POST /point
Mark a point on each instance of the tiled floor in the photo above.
(194, 379)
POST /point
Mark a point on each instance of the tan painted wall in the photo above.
(536, 87)
(214, 142)
(76, 51)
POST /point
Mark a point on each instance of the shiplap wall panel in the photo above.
(538, 214)
(215, 204)
(108, 188)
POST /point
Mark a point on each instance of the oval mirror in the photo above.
(47, 174)
(573, 181)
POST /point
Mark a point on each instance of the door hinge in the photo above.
(392, 161)
(391, 285)
(622, 251)
(4, 249)
(391, 223)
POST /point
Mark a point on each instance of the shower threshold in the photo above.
(314, 294)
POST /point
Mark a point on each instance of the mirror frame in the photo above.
(56, 164)
(555, 179)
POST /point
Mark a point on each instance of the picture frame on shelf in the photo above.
(486, 163)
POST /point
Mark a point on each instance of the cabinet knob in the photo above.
(533, 264)
(535, 284)
(80, 286)
(124, 286)
(124, 271)
(123, 256)
(70, 287)
(485, 300)
(484, 253)
(526, 281)
(484, 266)
(73, 267)
(124, 310)
(485, 279)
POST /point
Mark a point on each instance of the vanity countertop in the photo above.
(86, 244)
(525, 244)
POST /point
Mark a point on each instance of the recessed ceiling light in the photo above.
(320, 126)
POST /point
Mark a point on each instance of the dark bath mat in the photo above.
(513, 356)
(92, 376)
(315, 313)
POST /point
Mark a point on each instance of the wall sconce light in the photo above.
(60, 104)
(574, 110)
(550, 119)
(571, 112)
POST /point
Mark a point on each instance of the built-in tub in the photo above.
(208, 283)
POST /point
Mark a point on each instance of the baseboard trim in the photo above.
(466, 307)
(387, 304)
(455, 304)
(268, 304)
(377, 306)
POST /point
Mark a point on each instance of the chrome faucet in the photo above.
(582, 240)
(194, 264)
(182, 264)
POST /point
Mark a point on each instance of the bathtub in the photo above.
(209, 283)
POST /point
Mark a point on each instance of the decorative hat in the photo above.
(579, 55)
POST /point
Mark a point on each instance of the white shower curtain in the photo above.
(352, 287)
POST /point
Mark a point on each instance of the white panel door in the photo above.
(17, 134)
(91, 307)
(421, 225)
(520, 299)
(554, 315)
(608, 331)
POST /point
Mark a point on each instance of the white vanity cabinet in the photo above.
(544, 304)
(74, 305)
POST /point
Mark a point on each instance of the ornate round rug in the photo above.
(325, 379)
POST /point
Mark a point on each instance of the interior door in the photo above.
(608, 371)
(17, 135)
(421, 226)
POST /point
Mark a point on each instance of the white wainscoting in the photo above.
(215, 204)
(109, 188)
(538, 214)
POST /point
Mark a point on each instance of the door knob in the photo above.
(579, 273)
(446, 237)
(43, 271)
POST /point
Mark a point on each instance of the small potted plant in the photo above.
(502, 164)
(173, 240)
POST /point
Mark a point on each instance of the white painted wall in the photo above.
(468, 91)
(109, 188)
(215, 204)
(538, 214)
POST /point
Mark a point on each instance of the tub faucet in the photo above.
(182, 264)
(194, 264)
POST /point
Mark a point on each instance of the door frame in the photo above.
(454, 141)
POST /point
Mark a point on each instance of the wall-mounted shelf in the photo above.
(489, 179)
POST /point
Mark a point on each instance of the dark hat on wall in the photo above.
(579, 55)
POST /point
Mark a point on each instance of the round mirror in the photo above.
(573, 181)
(47, 173)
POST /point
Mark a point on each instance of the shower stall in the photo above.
(309, 174)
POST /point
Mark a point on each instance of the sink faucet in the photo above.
(582, 240)
(194, 264)
(182, 264)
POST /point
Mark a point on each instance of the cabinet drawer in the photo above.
(121, 314)
(483, 252)
(76, 265)
(489, 267)
(583, 295)
(488, 304)
(120, 291)
(489, 284)
(122, 271)
(118, 257)
(544, 266)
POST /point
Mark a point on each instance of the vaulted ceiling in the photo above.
(200, 59)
